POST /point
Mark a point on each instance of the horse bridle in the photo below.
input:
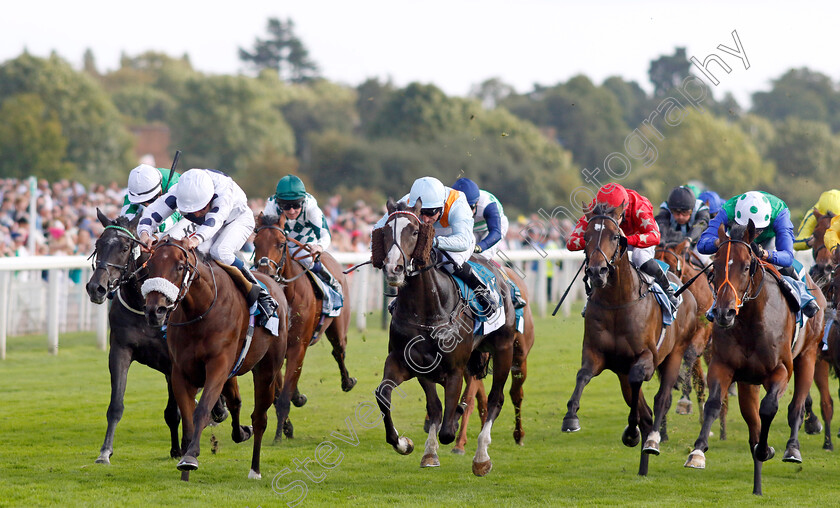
(284, 247)
(739, 301)
(410, 270)
(191, 274)
(123, 270)
(680, 259)
(612, 260)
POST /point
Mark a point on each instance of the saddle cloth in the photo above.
(332, 301)
(482, 324)
(273, 323)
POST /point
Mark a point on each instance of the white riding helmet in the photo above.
(430, 190)
(195, 190)
(144, 183)
(753, 205)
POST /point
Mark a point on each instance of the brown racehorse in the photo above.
(474, 394)
(271, 253)
(431, 336)
(679, 259)
(623, 332)
(752, 344)
(207, 334)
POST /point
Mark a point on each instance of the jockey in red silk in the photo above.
(639, 226)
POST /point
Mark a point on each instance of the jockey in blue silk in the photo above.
(305, 222)
(447, 209)
(712, 200)
(774, 240)
(218, 207)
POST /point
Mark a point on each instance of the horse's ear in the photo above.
(817, 213)
(418, 206)
(587, 209)
(391, 206)
(377, 247)
(102, 217)
(829, 214)
(423, 247)
(749, 234)
(260, 219)
(132, 224)
(722, 233)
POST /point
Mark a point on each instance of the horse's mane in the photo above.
(603, 209)
(270, 220)
(737, 231)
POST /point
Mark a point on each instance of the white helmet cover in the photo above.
(753, 205)
(195, 190)
(430, 190)
(144, 183)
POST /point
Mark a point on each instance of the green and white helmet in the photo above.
(753, 205)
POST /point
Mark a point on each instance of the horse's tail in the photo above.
(479, 364)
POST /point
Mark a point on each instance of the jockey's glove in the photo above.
(477, 249)
(435, 242)
(759, 251)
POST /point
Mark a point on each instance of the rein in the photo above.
(97, 264)
(611, 262)
(740, 301)
(190, 275)
(278, 267)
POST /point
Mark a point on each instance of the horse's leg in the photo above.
(294, 365)
(467, 405)
(172, 418)
(119, 359)
(239, 433)
(719, 378)
(185, 396)
(686, 373)
(698, 379)
(591, 365)
(668, 373)
(803, 366)
(214, 380)
(641, 369)
(826, 404)
(435, 412)
(775, 386)
(519, 372)
(337, 334)
(393, 375)
(265, 375)
(502, 361)
(748, 397)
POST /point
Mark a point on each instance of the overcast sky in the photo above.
(454, 43)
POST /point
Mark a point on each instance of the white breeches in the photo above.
(230, 239)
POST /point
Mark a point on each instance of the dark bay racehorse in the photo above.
(116, 259)
(272, 256)
(431, 336)
(475, 395)
(752, 344)
(208, 334)
(623, 332)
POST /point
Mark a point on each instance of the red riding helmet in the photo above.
(612, 194)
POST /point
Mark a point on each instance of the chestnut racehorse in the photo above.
(210, 343)
(753, 345)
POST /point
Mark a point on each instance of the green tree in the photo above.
(30, 140)
(491, 92)
(283, 52)
(319, 106)
(418, 113)
(668, 71)
(632, 99)
(800, 93)
(371, 97)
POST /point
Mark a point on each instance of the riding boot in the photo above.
(321, 271)
(267, 303)
(652, 268)
(482, 292)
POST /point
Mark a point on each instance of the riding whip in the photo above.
(567, 289)
(172, 171)
(690, 281)
(345, 272)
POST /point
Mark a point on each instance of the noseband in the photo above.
(410, 270)
(739, 301)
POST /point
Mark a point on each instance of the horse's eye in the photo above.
(125, 248)
(416, 233)
(616, 237)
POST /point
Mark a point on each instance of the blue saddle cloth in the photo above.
(520, 312)
(467, 294)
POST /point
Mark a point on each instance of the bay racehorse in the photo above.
(623, 332)
(117, 259)
(210, 343)
(431, 336)
(474, 393)
(754, 344)
(273, 258)
(681, 260)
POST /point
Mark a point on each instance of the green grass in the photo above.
(53, 423)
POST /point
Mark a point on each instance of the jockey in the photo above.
(712, 200)
(490, 223)
(145, 185)
(305, 222)
(773, 244)
(683, 216)
(637, 224)
(447, 209)
(829, 202)
(211, 200)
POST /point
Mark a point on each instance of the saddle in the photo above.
(250, 291)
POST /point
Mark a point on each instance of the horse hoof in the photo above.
(828, 446)
(349, 384)
(771, 452)
(571, 424)
(253, 475)
(482, 468)
(173, 453)
(217, 416)
(683, 407)
(631, 440)
(430, 460)
(458, 451)
(245, 433)
(300, 399)
(288, 429)
(792, 455)
(103, 460)
(651, 447)
(813, 426)
(188, 464)
(518, 436)
(696, 460)
(404, 446)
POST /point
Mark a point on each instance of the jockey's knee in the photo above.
(223, 255)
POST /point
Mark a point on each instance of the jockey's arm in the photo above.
(647, 234)
(576, 240)
(157, 212)
(461, 221)
(663, 220)
(494, 227)
(706, 244)
(805, 230)
(832, 234)
(315, 216)
(783, 255)
(214, 220)
(701, 223)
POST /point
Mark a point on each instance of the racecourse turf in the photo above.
(53, 423)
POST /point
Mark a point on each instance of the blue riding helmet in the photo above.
(713, 200)
(469, 188)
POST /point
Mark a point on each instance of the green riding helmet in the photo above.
(290, 188)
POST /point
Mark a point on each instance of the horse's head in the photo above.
(734, 269)
(270, 244)
(832, 292)
(114, 257)
(821, 271)
(675, 255)
(172, 268)
(403, 245)
(605, 243)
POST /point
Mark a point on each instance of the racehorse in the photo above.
(431, 336)
(623, 332)
(210, 342)
(117, 256)
(271, 252)
(678, 256)
(753, 344)
(474, 394)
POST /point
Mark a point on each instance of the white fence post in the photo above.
(102, 325)
(53, 309)
(5, 285)
(362, 279)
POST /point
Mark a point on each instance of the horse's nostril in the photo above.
(160, 310)
(398, 268)
(603, 271)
